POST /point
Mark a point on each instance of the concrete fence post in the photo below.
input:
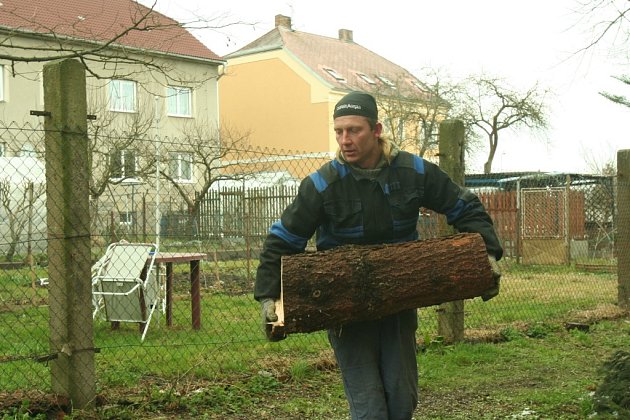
(451, 152)
(68, 216)
(623, 228)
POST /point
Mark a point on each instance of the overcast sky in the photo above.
(522, 42)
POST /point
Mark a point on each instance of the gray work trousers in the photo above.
(378, 364)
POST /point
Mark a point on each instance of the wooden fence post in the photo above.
(68, 217)
(451, 150)
(623, 228)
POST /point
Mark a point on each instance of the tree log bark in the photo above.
(352, 283)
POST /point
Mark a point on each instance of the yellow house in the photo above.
(282, 87)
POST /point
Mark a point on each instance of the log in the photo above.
(351, 283)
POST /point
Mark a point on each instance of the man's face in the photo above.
(357, 141)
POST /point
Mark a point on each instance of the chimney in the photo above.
(283, 21)
(345, 35)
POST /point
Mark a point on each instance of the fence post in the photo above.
(623, 228)
(451, 152)
(567, 220)
(68, 217)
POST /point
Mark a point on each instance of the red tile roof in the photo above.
(347, 58)
(102, 20)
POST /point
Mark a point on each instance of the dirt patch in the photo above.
(461, 405)
(577, 319)
(599, 313)
(232, 285)
(493, 335)
(30, 403)
(229, 284)
(19, 304)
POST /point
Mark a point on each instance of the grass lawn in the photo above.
(549, 376)
(518, 361)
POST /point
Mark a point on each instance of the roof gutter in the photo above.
(253, 51)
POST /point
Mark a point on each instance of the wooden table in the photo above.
(170, 258)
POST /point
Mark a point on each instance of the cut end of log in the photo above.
(276, 331)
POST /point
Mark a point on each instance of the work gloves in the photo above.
(268, 307)
(268, 311)
(496, 275)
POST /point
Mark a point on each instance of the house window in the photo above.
(1, 83)
(41, 88)
(387, 81)
(181, 166)
(123, 164)
(335, 75)
(367, 79)
(122, 95)
(178, 101)
(401, 129)
(27, 150)
(126, 218)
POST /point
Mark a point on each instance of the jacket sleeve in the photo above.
(288, 236)
(462, 208)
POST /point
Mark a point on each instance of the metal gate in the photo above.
(544, 225)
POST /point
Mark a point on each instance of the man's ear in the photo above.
(378, 129)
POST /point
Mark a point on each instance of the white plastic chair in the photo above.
(124, 288)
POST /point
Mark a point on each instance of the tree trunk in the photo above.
(326, 289)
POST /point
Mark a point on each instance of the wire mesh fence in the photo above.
(190, 312)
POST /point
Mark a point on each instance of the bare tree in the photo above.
(618, 99)
(411, 110)
(607, 22)
(213, 152)
(492, 106)
(119, 144)
(449, 93)
(16, 200)
(600, 199)
(601, 160)
(604, 20)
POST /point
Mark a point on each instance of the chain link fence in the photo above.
(190, 315)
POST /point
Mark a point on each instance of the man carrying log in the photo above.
(371, 193)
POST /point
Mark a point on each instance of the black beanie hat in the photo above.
(357, 103)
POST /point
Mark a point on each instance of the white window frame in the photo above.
(335, 75)
(124, 154)
(126, 218)
(367, 79)
(2, 84)
(2, 95)
(178, 162)
(41, 88)
(178, 98)
(387, 81)
(28, 150)
(402, 134)
(119, 98)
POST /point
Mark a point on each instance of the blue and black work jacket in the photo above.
(344, 208)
